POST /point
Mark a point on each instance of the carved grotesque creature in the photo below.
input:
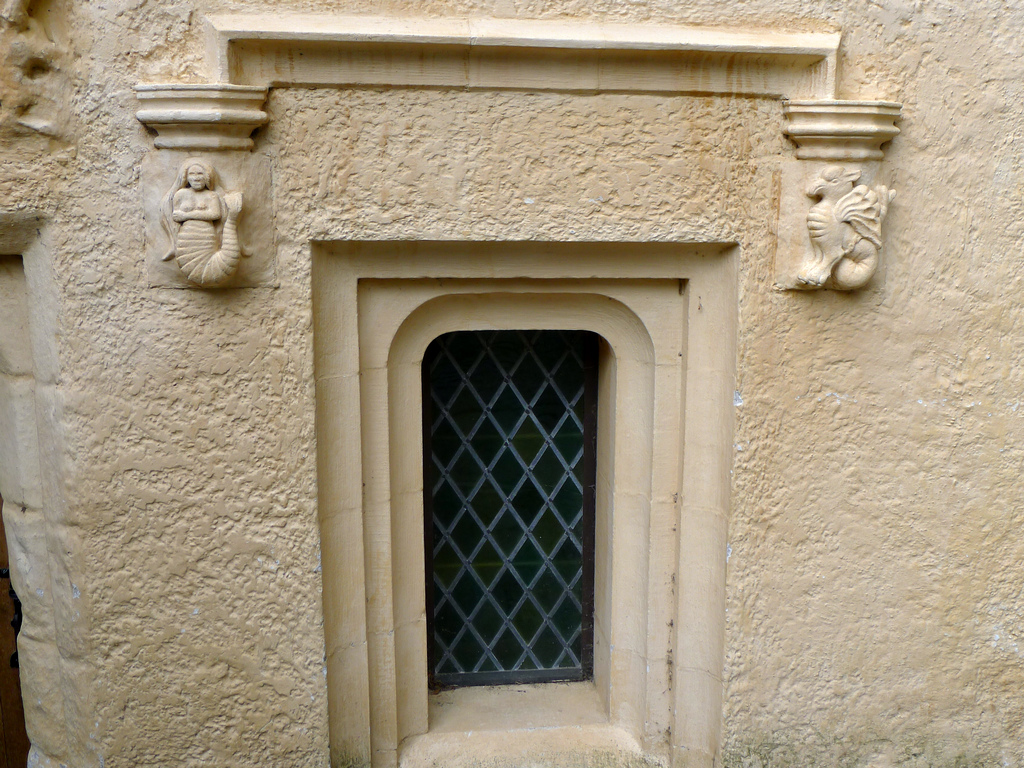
(202, 224)
(845, 226)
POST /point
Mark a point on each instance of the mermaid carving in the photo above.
(198, 218)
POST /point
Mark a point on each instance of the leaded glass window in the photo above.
(509, 433)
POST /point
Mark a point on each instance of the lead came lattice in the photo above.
(505, 475)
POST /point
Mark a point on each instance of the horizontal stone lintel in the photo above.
(318, 49)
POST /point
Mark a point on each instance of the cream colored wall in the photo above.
(875, 609)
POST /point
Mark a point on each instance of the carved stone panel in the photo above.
(831, 225)
(209, 220)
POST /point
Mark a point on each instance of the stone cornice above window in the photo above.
(314, 49)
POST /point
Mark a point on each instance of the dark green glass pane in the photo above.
(548, 590)
(528, 502)
(508, 532)
(569, 442)
(547, 648)
(463, 348)
(465, 473)
(507, 592)
(549, 409)
(548, 531)
(447, 623)
(467, 652)
(444, 379)
(528, 561)
(509, 649)
(507, 472)
(488, 442)
(548, 470)
(569, 378)
(528, 378)
(527, 620)
(447, 502)
(567, 618)
(569, 500)
(528, 441)
(466, 534)
(505, 347)
(466, 593)
(568, 559)
(487, 563)
(551, 348)
(507, 410)
(488, 621)
(488, 379)
(447, 564)
(465, 411)
(487, 503)
(444, 443)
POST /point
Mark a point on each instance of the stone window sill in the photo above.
(470, 726)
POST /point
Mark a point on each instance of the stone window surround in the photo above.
(667, 313)
(43, 546)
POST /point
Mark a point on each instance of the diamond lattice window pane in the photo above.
(508, 443)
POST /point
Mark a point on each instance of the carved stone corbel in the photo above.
(833, 204)
(209, 222)
(203, 116)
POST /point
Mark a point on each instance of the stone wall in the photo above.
(875, 609)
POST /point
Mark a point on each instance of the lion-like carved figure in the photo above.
(202, 223)
(845, 226)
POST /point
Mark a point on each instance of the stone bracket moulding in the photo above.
(840, 130)
(209, 116)
(835, 197)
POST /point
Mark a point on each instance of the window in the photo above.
(509, 455)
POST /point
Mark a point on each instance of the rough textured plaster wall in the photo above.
(190, 462)
(192, 414)
(876, 613)
(875, 605)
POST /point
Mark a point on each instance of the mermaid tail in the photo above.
(198, 256)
